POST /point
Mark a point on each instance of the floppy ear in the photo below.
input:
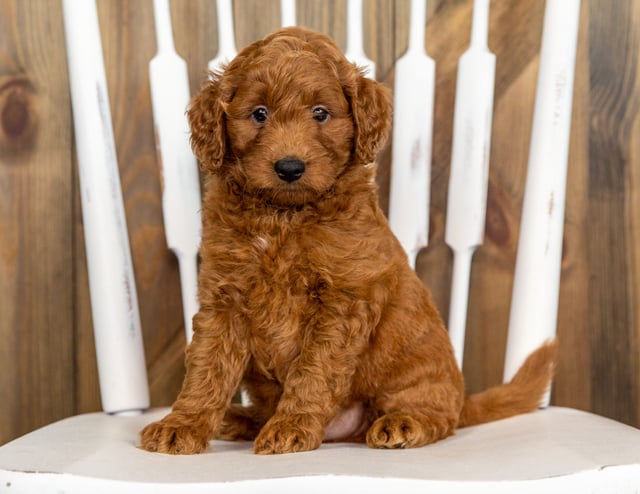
(371, 108)
(206, 119)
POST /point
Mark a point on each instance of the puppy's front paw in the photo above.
(290, 434)
(174, 435)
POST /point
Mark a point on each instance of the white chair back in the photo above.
(535, 295)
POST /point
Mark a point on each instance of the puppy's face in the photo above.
(289, 126)
(287, 117)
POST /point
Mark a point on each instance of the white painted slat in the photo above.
(468, 180)
(355, 36)
(226, 36)
(181, 202)
(114, 301)
(288, 13)
(412, 133)
(534, 303)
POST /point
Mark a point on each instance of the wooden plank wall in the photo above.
(47, 359)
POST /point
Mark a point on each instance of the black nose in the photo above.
(289, 169)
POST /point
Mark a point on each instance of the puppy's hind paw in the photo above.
(170, 436)
(240, 424)
(402, 430)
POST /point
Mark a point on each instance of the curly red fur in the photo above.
(306, 296)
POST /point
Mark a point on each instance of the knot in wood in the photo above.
(17, 118)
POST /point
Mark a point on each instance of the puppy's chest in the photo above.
(284, 294)
(285, 276)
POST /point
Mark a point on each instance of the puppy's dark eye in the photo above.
(320, 114)
(260, 114)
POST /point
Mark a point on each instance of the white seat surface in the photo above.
(548, 450)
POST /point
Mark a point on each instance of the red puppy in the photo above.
(306, 296)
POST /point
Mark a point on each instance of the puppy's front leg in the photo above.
(317, 381)
(215, 362)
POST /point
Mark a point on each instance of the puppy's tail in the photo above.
(524, 393)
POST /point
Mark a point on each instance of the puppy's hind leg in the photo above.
(408, 429)
(243, 423)
(422, 411)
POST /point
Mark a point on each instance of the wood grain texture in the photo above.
(36, 248)
(611, 252)
(47, 358)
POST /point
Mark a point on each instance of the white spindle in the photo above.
(288, 13)
(168, 77)
(412, 131)
(534, 303)
(226, 36)
(114, 302)
(355, 47)
(468, 179)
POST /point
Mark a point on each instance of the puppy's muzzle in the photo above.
(289, 169)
